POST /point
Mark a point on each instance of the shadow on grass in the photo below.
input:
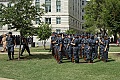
(117, 54)
(36, 56)
(109, 60)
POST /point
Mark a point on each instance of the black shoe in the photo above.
(91, 61)
(106, 60)
(76, 61)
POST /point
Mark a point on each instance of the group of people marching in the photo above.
(75, 47)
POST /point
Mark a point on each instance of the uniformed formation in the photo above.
(75, 47)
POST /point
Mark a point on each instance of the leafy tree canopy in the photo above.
(103, 14)
(71, 31)
(20, 14)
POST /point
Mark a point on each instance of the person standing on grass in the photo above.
(25, 46)
(10, 40)
(106, 49)
(96, 46)
(3, 42)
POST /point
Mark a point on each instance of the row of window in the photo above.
(48, 6)
(48, 20)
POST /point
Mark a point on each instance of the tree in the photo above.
(44, 32)
(20, 15)
(104, 15)
(91, 30)
(111, 16)
(71, 31)
(92, 14)
(1, 9)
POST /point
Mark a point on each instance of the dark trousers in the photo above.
(25, 47)
(10, 50)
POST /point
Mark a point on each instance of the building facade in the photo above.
(62, 15)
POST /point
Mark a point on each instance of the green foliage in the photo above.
(44, 31)
(91, 30)
(103, 14)
(71, 31)
(20, 15)
(1, 9)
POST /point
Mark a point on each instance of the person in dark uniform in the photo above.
(59, 42)
(96, 46)
(69, 47)
(86, 48)
(106, 49)
(25, 46)
(52, 45)
(92, 49)
(10, 45)
(79, 46)
(102, 47)
(75, 49)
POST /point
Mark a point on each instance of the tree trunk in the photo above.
(43, 43)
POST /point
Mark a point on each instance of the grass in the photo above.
(114, 49)
(41, 49)
(36, 49)
(44, 67)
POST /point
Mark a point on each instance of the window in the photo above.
(47, 5)
(37, 6)
(58, 20)
(9, 27)
(9, 5)
(37, 0)
(0, 27)
(58, 30)
(58, 8)
(82, 2)
(82, 10)
(47, 8)
(37, 20)
(82, 17)
(47, 0)
(58, 5)
(48, 20)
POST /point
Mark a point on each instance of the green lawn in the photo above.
(114, 49)
(36, 49)
(41, 49)
(44, 67)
